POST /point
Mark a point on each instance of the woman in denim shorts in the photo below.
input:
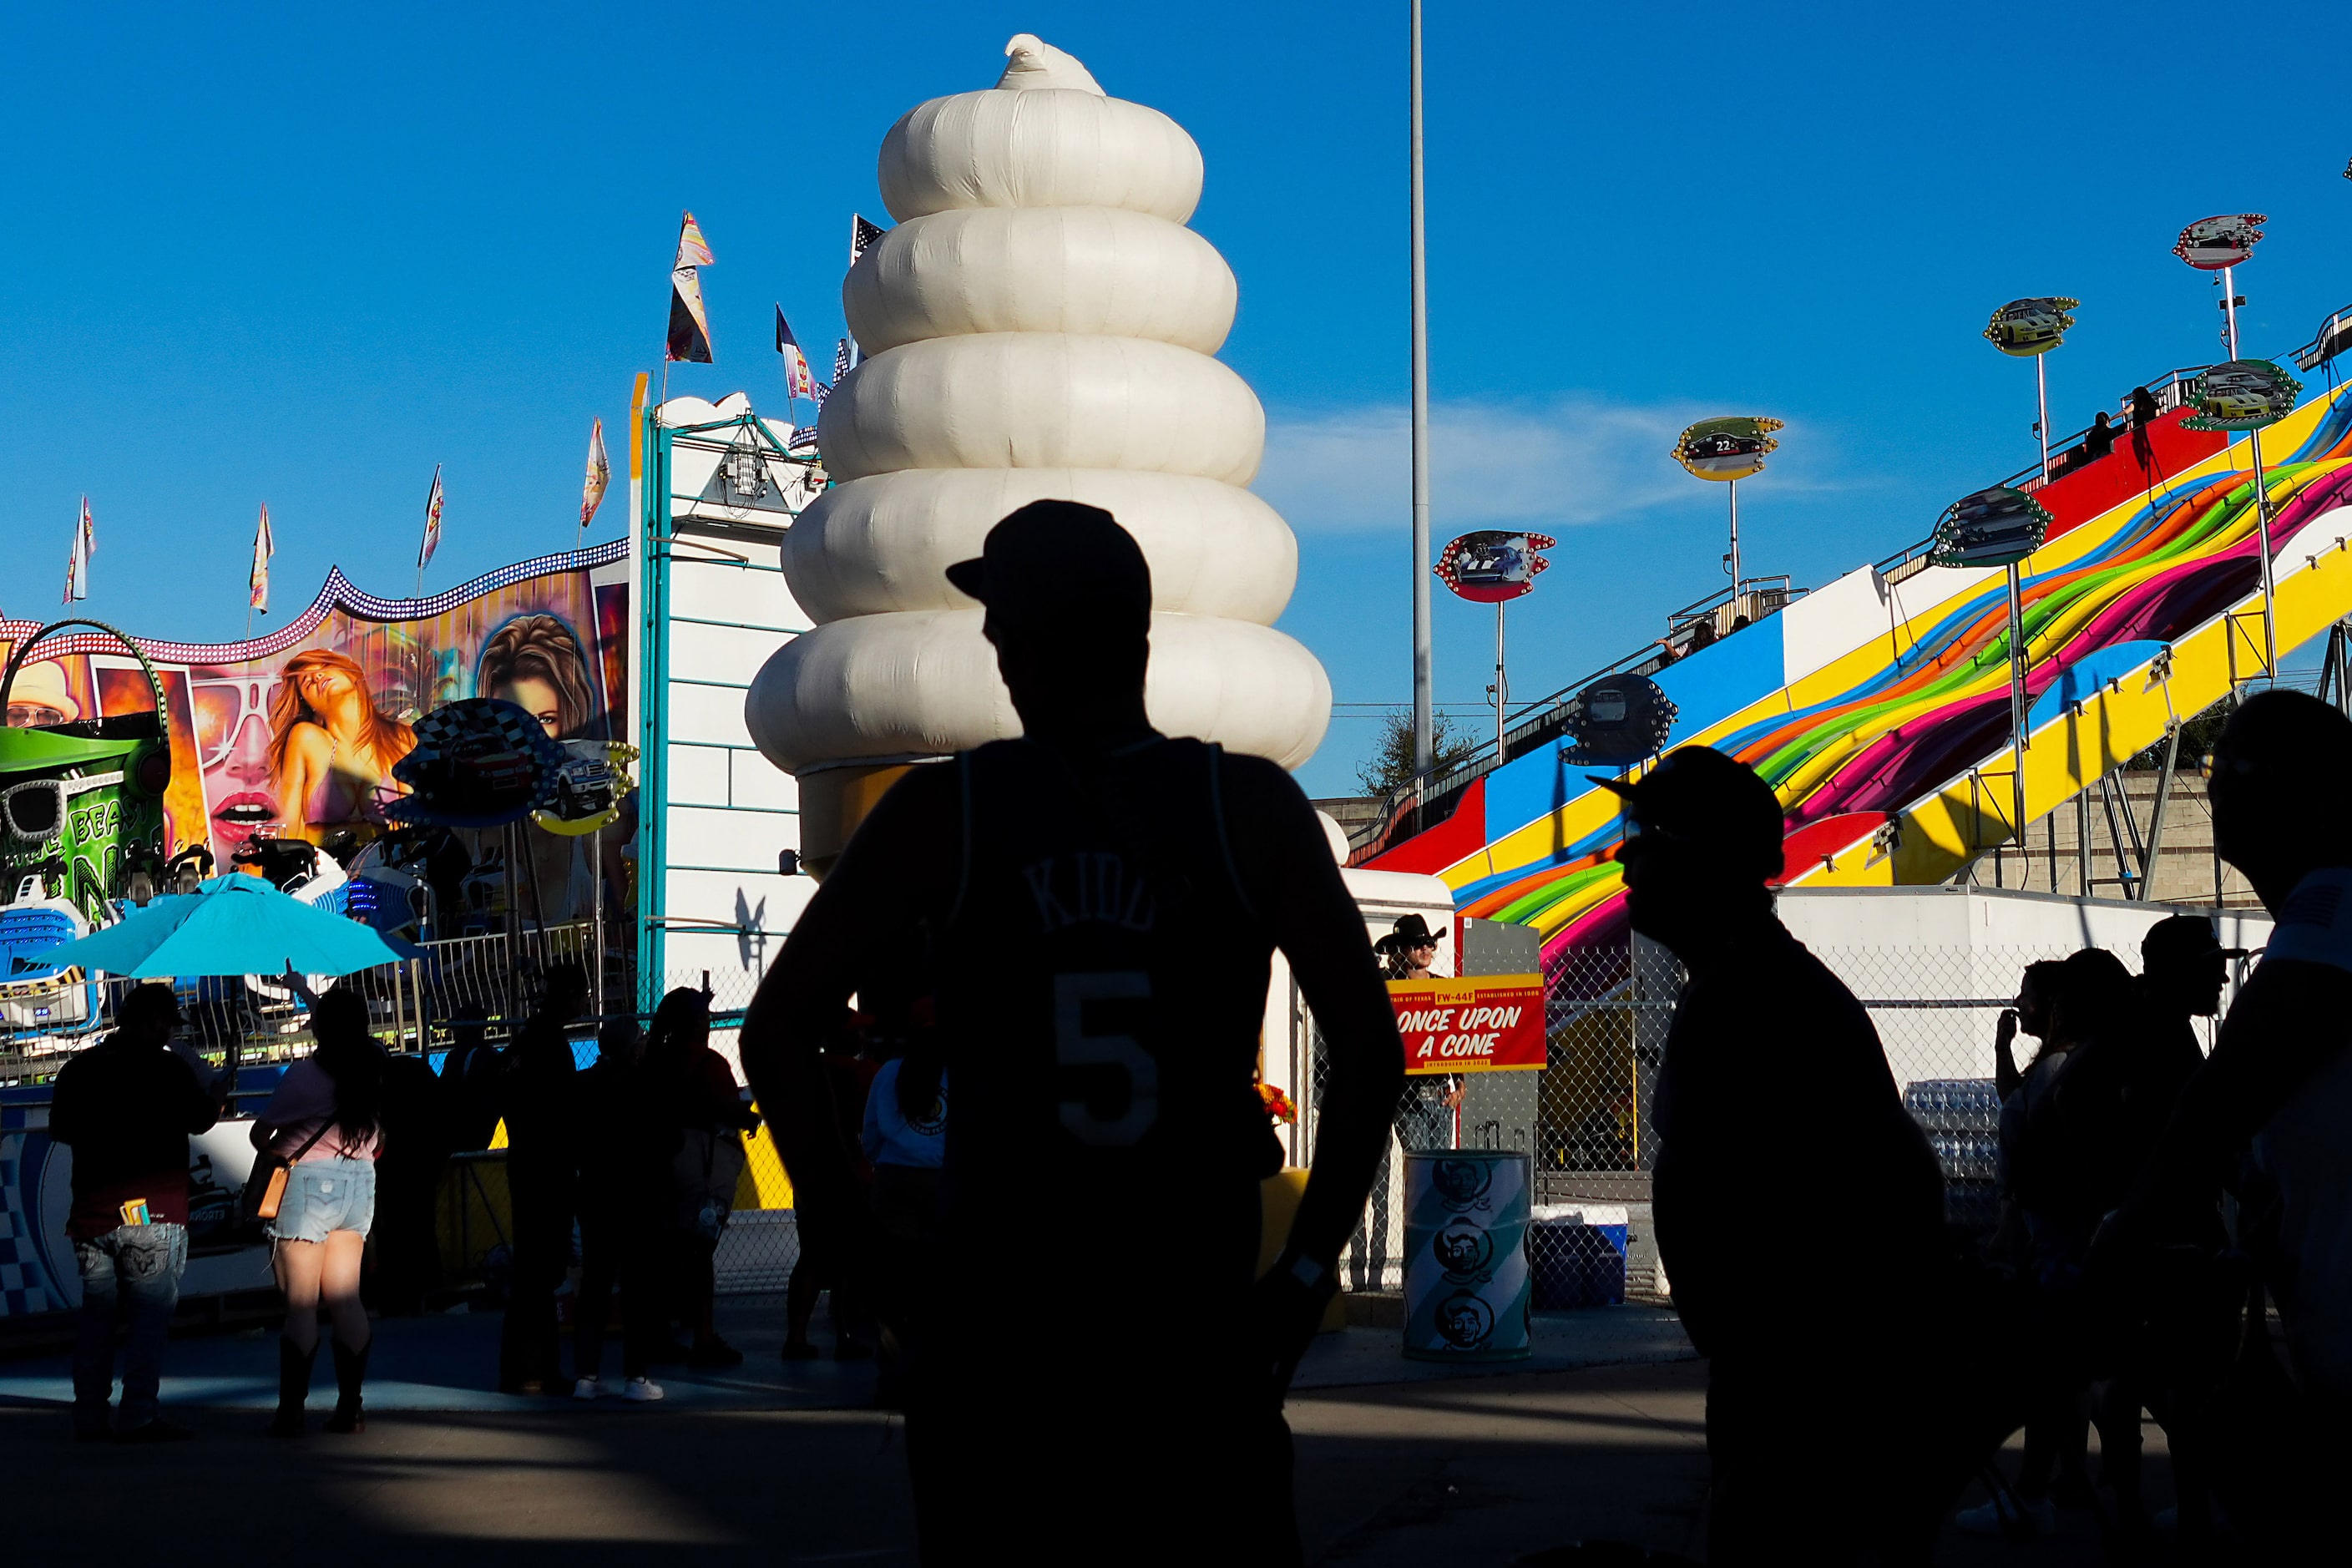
(323, 1119)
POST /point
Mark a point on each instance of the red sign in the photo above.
(1493, 1023)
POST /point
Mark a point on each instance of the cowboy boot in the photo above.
(293, 1387)
(351, 1371)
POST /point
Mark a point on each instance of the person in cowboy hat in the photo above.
(1408, 948)
(1424, 1118)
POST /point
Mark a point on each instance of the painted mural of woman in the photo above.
(535, 663)
(331, 749)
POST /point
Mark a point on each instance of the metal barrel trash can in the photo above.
(1465, 1257)
(1576, 1254)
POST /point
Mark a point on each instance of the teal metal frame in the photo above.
(657, 536)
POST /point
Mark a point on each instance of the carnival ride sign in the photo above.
(1991, 528)
(1491, 566)
(2243, 395)
(2024, 328)
(1729, 448)
(1492, 1022)
(480, 763)
(588, 789)
(2213, 242)
(1620, 719)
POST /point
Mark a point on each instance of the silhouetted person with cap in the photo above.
(1761, 1029)
(1083, 1406)
(2184, 969)
(2267, 1115)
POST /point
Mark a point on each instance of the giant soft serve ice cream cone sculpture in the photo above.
(1040, 324)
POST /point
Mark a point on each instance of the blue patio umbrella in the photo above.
(231, 925)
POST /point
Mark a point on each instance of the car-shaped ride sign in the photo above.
(2213, 242)
(1729, 448)
(1492, 565)
(2028, 327)
(1991, 528)
(2241, 394)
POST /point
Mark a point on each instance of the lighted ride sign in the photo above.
(588, 789)
(2243, 394)
(1620, 720)
(2211, 244)
(480, 762)
(1997, 527)
(2249, 395)
(1491, 566)
(2023, 328)
(1729, 448)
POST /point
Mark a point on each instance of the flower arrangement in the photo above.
(1276, 1104)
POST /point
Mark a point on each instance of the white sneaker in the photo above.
(643, 1390)
(1993, 1517)
(591, 1387)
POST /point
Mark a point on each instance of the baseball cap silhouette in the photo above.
(2182, 939)
(1063, 564)
(1703, 797)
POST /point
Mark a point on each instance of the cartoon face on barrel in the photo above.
(1461, 1183)
(1463, 1248)
(1464, 1321)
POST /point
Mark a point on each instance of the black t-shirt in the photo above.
(1784, 1150)
(126, 1111)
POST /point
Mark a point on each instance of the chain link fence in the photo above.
(1586, 1122)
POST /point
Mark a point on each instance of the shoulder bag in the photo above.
(265, 1189)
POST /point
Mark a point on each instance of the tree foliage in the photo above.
(1391, 765)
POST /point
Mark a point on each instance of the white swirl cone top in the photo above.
(1036, 63)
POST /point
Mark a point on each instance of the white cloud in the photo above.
(1578, 459)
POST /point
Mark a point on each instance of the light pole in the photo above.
(2028, 328)
(1423, 716)
(2217, 245)
(1494, 566)
(1999, 527)
(1728, 450)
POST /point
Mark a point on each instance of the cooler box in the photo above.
(1577, 1255)
(1465, 1256)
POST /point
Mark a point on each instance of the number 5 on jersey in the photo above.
(1093, 1050)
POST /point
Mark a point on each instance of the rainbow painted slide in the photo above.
(1878, 708)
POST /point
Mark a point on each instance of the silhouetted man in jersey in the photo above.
(1763, 1033)
(1105, 1380)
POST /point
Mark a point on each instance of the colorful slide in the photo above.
(1878, 707)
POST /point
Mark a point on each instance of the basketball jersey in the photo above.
(1101, 982)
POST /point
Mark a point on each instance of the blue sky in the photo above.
(301, 256)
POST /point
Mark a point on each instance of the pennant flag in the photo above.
(600, 473)
(85, 545)
(798, 382)
(265, 545)
(690, 325)
(861, 235)
(432, 522)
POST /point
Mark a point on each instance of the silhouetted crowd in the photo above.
(2176, 1225)
(1026, 924)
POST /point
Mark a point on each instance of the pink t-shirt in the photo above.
(304, 1102)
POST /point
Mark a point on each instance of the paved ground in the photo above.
(1463, 1469)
